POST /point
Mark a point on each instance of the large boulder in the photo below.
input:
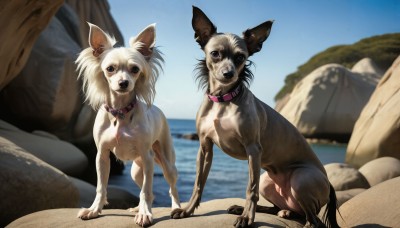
(96, 12)
(378, 206)
(380, 170)
(327, 102)
(21, 22)
(209, 214)
(344, 177)
(377, 130)
(60, 154)
(28, 184)
(46, 94)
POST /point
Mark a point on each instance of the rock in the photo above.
(46, 94)
(209, 214)
(327, 102)
(368, 69)
(60, 154)
(378, 206)
(343, 177)
(377, 130)
(96, 12)
(59, 97)
(117, 197)
(28, 184)
(21, 22)
(346, 195)
(192, 136)
(380, 170)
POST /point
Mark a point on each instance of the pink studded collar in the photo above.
(120, 113)
(226, 97)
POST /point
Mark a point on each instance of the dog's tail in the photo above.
(330, 211)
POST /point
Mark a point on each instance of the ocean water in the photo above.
(228, 177)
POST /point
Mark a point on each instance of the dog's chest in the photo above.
(223, 130)
(122, 139)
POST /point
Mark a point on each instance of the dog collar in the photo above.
(226, 97)
(120, 113)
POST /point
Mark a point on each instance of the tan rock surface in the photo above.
(344, 177)
(209, 214)
(60, 154)
(96, 12)
(346, 195)
(378, 206)
(117, 197)
(29, 184)
(377, 130)
(21, 23)
(45, 95)
(380, 170)
(327, 102)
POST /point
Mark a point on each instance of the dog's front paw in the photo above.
(179, 213)
(243, 221)
(86, 214)
(143, 220)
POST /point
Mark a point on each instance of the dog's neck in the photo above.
(227, 96)
(120, 104)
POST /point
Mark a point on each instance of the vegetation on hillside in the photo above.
(383, 50)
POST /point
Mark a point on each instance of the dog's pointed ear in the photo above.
(99, 40)
(202, 26)
(147, 38)
(255, 37)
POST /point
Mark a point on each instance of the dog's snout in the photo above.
(228, 74)
(123, 84)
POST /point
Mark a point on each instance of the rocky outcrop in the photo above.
(98, 13)
(209, 214)
(378, 206)
(380, 170)
(28, 184)
(46, 94)
(327, 102)
(377, 130)
(21, 22)
(344, 177)
(349, 181)
(59, 154)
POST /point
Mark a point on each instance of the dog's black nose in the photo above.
(228, 74)
(123, 84)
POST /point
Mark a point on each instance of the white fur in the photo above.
(143, 136)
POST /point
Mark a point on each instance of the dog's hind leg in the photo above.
(165, 157)
(137, 177)
(310, 187)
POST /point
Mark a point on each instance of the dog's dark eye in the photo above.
(110, 69)
(214, 54)
(134, 70)
(239, 58)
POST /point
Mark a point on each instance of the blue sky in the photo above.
(301, 29)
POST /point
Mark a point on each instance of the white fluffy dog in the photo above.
(120, 83)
